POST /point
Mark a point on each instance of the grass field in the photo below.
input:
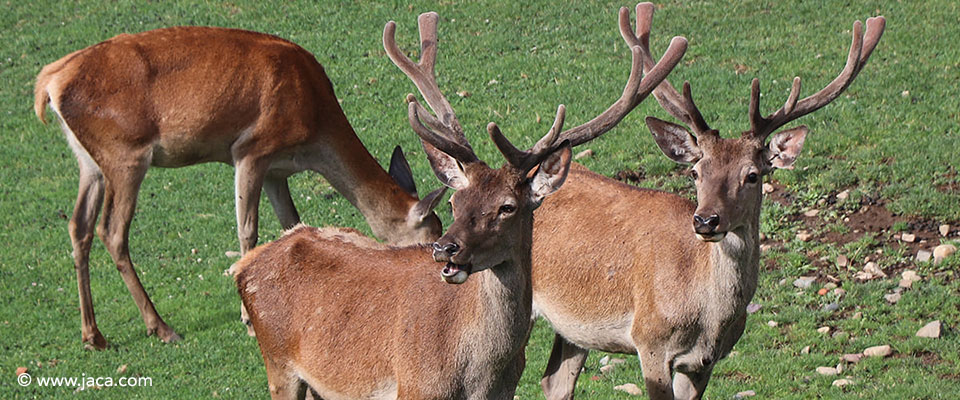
(892, 140)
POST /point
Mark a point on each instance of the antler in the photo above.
(526, 160)
(681, 107)
(444, 138)
(860, 50)
(637, 89)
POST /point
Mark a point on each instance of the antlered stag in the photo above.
(187, 95)
(351, 319)
(617, 268)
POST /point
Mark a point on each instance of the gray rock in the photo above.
(606, 369)
(930, 330)
(828, 371)
(744, 394)
(944, 230)
(943, 251)
(804, 282)
(630, 388)
(753, 307)
(878, 351)
(908, 237)
(842, 261)
(924, 256)
(842, 382)
(831, 307)
(851, 358)
(892, 298)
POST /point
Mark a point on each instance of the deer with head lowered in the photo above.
(347, 318)
(187, 95)
(620, 269)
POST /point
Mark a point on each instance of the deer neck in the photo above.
(735, 263)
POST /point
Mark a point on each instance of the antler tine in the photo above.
(860, 49)
(423, 75)
(526, 160)
(415, 113)
(679, 106)
(637, 89)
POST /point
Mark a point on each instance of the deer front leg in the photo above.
(560, 378)
(692, 384)
(656, 373)
(249, 180)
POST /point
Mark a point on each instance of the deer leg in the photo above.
(278, 192)
(563, 368)
(691, 385)
(121, 201)
(82, 229)
(249, 180)
(656, 373)
(283, 382)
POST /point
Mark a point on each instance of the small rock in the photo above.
(605, 360)
(892, 298)
(606, 369)
(753, 307)
(772, 323)
(908, 237)
(630, 388)
(944, 230)
(804, 282)
(905, 284)
(828, 371)
(842, 261)
(839, 292)
(782, 282)
(21, 370)
(878, 351)
(811, 213)
(843, 195)
(857, 315)
(804, 236)
(831, 307)
(744, 394)
(823, 329)
(874, 269)
(924, 256)
(583, 154)
(232, 254)
(931, 330)
(943, 251)
(765, 247)
(805, 350)
(122, 369)
(908, 278)
(863, 276)
(851, 358)
(768, 188)
(823, 291)
(615, 361)
(839, 368)
(842, 382)
(830, 285)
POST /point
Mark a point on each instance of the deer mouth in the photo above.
(712, 237)
(456, 273)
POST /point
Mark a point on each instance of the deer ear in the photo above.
(400, 172)
(675, 141)
(423, 207)
(551, 174)
(785, 146)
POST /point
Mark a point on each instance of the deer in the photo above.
(621, 269)
(181, 96)
(344, 317)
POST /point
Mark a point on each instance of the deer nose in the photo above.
(445, 251)
(705, 225)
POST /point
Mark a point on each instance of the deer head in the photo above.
(728, 172)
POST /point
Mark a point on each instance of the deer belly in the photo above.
(604, 333)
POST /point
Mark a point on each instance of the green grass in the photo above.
(893, 135)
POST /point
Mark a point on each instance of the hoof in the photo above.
(95, 342)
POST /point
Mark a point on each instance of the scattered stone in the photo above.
(805, 350)
(924, 256)
(605, 360)
(811, 213)
(842, 382)
(744, 394)
(804, 236)
(831, 307)
(944, 230)
(753, 307)
(878, 351)
(943, 251)
(851, 358)
(839, 368)
(892, 298)
(232, 254)
(839, 292)
(772, 323)
(842, 261)
(823, 329)
(606, 369)
(583, 154)
(843, 195)
(615, 361)
(823, 291)
(908, 237)
(765, 247)
(908, 278)
(804, 282)
(782, 282)
(122, 369)
(830, 285)
(768, 188)
(630, 388)
(931, 330)
(828, 371)
(870, 271)
(21, 370)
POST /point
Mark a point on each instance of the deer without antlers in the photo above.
(391, 329)
(619, 269)
(181, 96)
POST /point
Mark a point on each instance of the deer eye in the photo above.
(507, 208)
(694, 174)
(753, 177)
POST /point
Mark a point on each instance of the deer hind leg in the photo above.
(122, 186)
(82, 230)
(563, 368)
(250, 176)
(656, 373)
(278, 191)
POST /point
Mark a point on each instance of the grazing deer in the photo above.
(350, 319)
(182, 96)
(619, 269)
